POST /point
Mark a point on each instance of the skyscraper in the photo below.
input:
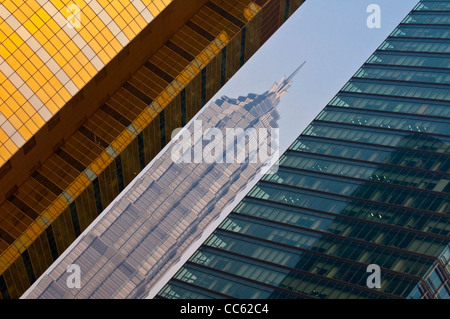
(366, 183)
(158, 217)
(90, 94)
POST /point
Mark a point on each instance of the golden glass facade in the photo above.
(67, 191)
(49, 49)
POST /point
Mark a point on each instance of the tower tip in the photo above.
(289, 79)
(281, 89)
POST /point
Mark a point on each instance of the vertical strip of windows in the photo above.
(223, 69)
(97, 195)
(75, 220)
(162, 128)
(118, 162)
(183, 107)
(4, 289)
(203, 88)
(140, 138)
(51, 242)
(242, 57)
(286, 11)
(28, 266)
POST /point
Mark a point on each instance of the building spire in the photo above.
(281, 89)
(291, 77)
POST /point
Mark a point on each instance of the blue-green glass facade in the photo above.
(367, 182)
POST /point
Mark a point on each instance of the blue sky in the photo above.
(333, 37)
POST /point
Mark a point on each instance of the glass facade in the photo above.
(44, 61)
(65, 192)
(367, 182)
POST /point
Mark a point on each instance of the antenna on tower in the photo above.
(281, 89)
(291, 77)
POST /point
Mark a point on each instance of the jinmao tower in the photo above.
(167, 207)
(362, 192)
